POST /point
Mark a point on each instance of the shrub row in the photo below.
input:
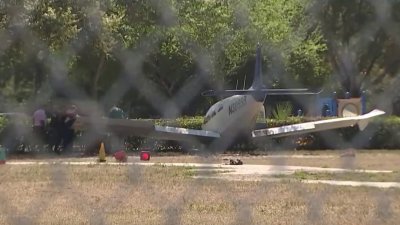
(3, 122)
(382, 133)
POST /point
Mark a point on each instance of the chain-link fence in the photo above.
(154, 59)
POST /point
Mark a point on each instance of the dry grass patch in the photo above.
(168, 195)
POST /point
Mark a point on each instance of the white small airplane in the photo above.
(234, 115)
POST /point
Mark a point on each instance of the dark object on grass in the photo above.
(235, 162)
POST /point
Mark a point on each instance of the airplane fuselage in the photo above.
(231, 114)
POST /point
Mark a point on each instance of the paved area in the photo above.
(265, 169)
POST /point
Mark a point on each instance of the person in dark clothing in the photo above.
(61, 132)
(325, 111)
(56, 127)
(68, 131)
(113, 141)
(116, 113)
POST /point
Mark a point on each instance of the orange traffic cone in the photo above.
(102, 153)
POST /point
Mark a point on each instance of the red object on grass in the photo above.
(120, 156)
(145, 155)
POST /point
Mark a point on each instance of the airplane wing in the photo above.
(143, 128)
(302, 128)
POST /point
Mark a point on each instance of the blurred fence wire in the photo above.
(154, 58)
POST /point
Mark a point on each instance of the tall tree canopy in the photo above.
(104, 50)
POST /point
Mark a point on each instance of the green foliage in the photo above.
(92, 37)
(56, 24)
(359, 53)
(383, 133)
(307, 62)
(283, 110)
(275, 122)
(386, 133)
(94, 44)
(185, 122)
(3, 123)
(196, 122)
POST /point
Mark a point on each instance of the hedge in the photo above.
(3, 122)
(382, 133)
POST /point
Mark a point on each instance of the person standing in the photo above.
(39, 125)
(116, 113)
(115, 142)
(68, 132)
(56, 129)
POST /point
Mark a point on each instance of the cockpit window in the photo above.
(212, 112)
(206, 119)
(209, 116)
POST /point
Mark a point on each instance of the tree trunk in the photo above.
(97, 75)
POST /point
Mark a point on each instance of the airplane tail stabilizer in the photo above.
(309, 127)
(366, 118)
(227, 93)
(257, 79)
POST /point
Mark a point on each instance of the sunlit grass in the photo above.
(349, 176)
(169, 195)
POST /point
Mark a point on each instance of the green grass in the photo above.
(350, 176)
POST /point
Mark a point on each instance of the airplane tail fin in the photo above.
(257, 88)
(257, 79)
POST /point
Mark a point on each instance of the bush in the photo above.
(385, 133)
(14, 131)
(185, 122)
(382, 133)
(283, 110)
(3, 123)
(196, 123)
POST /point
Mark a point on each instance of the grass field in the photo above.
(345, 176)
(99, 194)
(364, 159)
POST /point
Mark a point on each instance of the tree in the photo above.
(173, 43)
(361, 45)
